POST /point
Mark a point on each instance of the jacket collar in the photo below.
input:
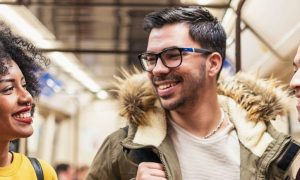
(249, 102)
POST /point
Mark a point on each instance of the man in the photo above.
(295, 81)
(295, 85)
(178, 127)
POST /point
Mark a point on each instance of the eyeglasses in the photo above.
(170, 57)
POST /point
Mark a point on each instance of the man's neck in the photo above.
(198, 119)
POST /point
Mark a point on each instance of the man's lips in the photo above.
(166, 89)
(166, 85)
(298, 104)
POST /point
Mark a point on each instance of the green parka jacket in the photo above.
(251, 104)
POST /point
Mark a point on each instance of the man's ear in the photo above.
(214, 63)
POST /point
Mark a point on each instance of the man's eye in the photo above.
(151, 61)
(295, 70)
(172, 56)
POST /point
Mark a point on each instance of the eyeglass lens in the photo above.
(170, 58)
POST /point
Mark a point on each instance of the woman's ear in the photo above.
(214, 63)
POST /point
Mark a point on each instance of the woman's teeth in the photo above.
(23, 115)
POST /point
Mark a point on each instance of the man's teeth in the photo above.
(23, 115)
(165, 86)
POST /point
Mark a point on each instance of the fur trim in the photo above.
(248, 101)
(136, 96)
(252, 134)
(262, 99)
(157, 123)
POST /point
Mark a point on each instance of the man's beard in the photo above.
(190, 91)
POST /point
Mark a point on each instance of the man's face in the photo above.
(295, 81)
(181, 86)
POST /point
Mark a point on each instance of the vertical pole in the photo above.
(238, 36)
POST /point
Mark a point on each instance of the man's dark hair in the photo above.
(24, 54)
(204, 28)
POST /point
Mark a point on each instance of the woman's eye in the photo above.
(7, 91)
(24, 86)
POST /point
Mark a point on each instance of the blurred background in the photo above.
(88, 41)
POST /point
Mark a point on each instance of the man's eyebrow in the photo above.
(170, 47)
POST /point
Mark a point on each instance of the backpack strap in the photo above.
(288, 156)
(289, 159)
(37, 168)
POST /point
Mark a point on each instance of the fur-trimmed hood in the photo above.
(250, 103)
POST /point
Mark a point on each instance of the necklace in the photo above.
(218, 127)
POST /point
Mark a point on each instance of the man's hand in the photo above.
(151, 171)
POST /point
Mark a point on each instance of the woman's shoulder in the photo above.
(48, 170)
(22, 167)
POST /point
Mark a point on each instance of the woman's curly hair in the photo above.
(29, 59)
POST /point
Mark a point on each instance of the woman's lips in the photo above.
(25, 120)
(23, 116)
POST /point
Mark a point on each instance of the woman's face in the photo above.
(15, 104)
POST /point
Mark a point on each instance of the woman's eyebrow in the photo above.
(7, 80)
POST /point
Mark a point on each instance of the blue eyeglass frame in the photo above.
(158, 55)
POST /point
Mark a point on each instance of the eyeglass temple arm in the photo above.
(199, 50)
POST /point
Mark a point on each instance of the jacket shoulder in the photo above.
(118, 136)
(107, 156)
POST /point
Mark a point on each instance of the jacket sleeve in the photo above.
(102, 165)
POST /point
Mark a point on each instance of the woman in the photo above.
(20, 64)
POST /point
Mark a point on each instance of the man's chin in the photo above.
(169, 104)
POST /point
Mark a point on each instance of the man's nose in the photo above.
(160, 68)
(295, 81)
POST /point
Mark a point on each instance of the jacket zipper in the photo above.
(160, 154)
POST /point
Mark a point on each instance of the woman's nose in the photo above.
(24, 96)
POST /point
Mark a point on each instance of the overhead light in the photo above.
(67, 61)
(24, 24)
(201, 2)
(102, 94)
(27, 25)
